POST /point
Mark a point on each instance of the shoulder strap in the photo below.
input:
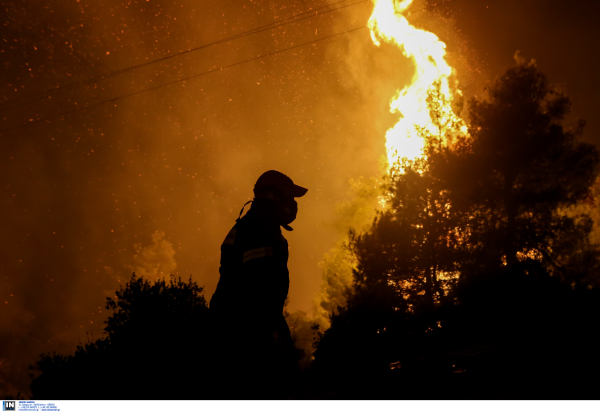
(242, 211)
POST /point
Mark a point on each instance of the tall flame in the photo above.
(388, 24)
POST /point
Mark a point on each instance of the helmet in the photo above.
(277, 180)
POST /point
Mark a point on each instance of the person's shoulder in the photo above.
(257, 230)
(232, 235)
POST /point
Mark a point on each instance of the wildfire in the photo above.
(388, 24)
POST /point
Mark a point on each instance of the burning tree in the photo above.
(388, 23)
(408, 260)
(473, 224)
(415, 245)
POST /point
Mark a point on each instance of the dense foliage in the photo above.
(154, 348)
(474, 263)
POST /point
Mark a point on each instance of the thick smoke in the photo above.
(155, 261)
(84, 192)
(81, 192)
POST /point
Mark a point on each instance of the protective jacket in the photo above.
(254, 280)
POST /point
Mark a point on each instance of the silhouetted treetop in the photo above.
(143, 304)
(518, 166)
(477, 246)
(155, 347)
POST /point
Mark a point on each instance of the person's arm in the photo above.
(263, 273)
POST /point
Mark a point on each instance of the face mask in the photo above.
(285, 208)
(289, 210)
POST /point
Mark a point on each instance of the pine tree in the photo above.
(519, 166)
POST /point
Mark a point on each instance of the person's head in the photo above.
(281, 190)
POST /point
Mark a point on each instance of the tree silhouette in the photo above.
(474, 261)
(154, 348)
(407, 262)
(518, 167)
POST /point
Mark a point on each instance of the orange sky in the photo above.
(78, 192)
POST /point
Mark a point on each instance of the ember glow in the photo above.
(389, 24)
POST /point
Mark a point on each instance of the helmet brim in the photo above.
(298, 191)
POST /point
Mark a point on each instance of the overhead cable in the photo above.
(289, 20)
(82, 108)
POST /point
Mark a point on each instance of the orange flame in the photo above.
(388, 24)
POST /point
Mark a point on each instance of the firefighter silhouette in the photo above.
(252, 339)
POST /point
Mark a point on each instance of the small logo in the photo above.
(9, 405)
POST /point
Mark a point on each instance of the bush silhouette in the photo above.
(154, 348)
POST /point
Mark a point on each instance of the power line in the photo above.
(181, 80)
(289, 20)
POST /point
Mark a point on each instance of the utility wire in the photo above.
(289, 20)
(79, 109)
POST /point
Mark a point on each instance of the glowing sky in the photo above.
(78, 193)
